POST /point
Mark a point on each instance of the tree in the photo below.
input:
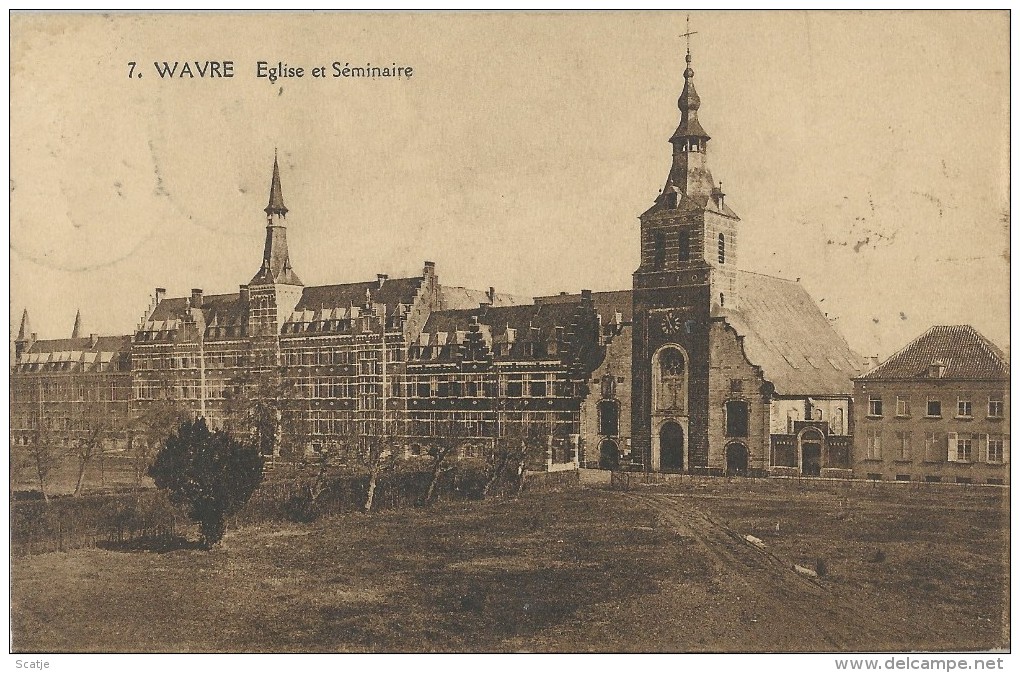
(151, 428)
(93, 420)
(450, 436)
(43, 456)
(520, 443)
(379, 451)
(210, 474)
(255, 409)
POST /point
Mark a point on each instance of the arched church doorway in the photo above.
(671, 447)
(609, 455)
(811, 453)
(736, 460)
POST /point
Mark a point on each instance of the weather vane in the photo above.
(688, 34)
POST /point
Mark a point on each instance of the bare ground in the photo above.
(648, 570)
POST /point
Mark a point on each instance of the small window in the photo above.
(660, 250)
(903, 445)
(963, 408)
(874, 476)
(934, 450)
(736, 385)
(875, 405)
(964, 480)
(537, 389)
(722, 249)
(995, 448)
(684, 243)
(995, 481)
(934, 408)
(995, 405)
(933, 479)
(902, 477)
(722, 299)
(874, 447)
(902, 406)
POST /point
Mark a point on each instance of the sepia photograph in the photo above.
(511, 331)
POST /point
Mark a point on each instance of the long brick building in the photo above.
(699, 367)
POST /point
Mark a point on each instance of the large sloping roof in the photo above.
(77, 354)
(466, 298)
(965, 353)
(786, 334)
(607, 304)
(392, 292)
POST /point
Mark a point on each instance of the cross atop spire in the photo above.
(276, 206)
(688, 36)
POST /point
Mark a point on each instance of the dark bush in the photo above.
(210, 474)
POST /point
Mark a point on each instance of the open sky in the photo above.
(866, 153)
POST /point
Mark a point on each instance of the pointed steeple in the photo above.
(276, 267)
(25, 331)
(76, 330)
(276, 206)
(689, 178)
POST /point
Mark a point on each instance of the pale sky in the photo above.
(866, 153)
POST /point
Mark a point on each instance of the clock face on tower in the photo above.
(671, 322)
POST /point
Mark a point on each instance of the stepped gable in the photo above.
(790, 339)
(962, 350)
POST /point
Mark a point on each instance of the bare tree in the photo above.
(380, 452)
(149, 430)
(43, 457)
(449, 438)
(256, 407)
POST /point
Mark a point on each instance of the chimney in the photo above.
(196, 297)
(382, 278)
(93, 340)
(243, 291)
(491, 294)
(430, 269)
(160, 294)
(586, 297)
(874, 361)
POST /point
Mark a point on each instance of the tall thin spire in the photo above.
(276, 206)
(76, 330)
(276, 256)
(25, 331)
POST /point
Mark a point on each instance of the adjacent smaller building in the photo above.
(938, 410)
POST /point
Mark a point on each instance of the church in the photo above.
(700, 367)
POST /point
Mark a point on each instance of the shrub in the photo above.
(210, 474)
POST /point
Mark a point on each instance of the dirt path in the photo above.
(759, 603)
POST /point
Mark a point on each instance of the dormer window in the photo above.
(937, 370)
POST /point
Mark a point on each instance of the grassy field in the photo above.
(573, 570)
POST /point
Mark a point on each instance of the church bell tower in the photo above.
(687, 274)
(275, 289)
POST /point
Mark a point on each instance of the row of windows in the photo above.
(683, 248)
(940, 447)
(933, 406)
